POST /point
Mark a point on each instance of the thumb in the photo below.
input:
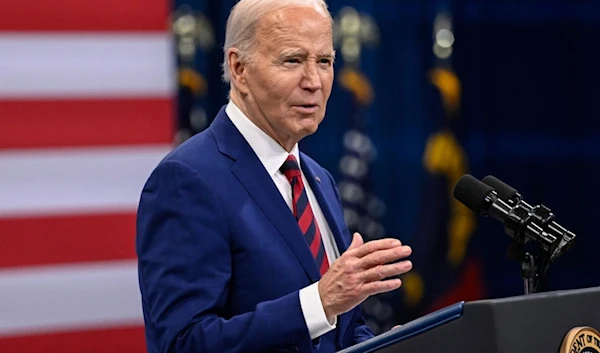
(357, 241)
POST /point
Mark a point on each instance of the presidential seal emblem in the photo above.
(581, 340)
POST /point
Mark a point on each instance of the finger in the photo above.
(357, 241)
(381, 257)
(375, 245)
(384, 271)
(378, 287)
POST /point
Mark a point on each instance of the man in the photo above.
(240, 234)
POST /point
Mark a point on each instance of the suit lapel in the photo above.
(252, 175)
(325, 196)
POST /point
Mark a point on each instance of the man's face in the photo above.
(290, 78)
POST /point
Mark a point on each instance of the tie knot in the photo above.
(290, 167)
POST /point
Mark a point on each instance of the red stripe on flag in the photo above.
(89, 122)
(115, 340)
(84, 15)
(66, 239)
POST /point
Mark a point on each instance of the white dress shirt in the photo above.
(272, 156)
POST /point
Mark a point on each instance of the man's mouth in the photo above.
(307, 108)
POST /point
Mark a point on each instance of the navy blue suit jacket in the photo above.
(221, 257)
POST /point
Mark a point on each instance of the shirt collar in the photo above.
(269, 152)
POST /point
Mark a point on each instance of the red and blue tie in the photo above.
(304, 214)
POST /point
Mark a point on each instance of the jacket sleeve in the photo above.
(185, 265)
(362, 332)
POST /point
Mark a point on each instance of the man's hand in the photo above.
(361, 272)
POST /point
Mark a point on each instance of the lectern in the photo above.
(551, 322)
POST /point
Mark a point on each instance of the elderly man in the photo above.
(240, 234)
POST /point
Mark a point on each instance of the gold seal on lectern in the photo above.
(581, 340)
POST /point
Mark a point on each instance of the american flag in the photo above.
(86, 111)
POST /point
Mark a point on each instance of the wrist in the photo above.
(326, 308)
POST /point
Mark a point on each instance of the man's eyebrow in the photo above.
(301, 52)
(328, 54)
(293, 52)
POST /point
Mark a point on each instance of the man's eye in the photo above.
(325, 61)
(292, 61)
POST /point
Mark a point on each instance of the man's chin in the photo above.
(309, 129)
(307, 125)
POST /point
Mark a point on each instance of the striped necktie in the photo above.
(304, 214)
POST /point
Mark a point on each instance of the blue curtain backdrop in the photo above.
(528, 115)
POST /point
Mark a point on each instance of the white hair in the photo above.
(243, 23)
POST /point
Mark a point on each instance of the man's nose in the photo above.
(311, 80)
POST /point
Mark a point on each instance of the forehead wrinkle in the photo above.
(281, 22)
(274, 24)
(274, 42)
(270, 33)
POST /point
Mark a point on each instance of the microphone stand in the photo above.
(528, 272)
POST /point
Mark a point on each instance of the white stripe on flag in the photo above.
(59, 65)
(52, 181)
(59, 298)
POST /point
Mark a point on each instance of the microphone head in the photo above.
(504, 191)
(472, 193)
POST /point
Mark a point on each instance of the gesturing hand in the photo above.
(361, 272)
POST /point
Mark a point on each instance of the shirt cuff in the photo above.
(314, 314)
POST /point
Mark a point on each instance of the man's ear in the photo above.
(238, 70)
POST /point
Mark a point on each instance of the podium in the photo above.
(523, 324)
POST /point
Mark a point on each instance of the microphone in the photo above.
(544, 214)
(519, 222)
(505, 191)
